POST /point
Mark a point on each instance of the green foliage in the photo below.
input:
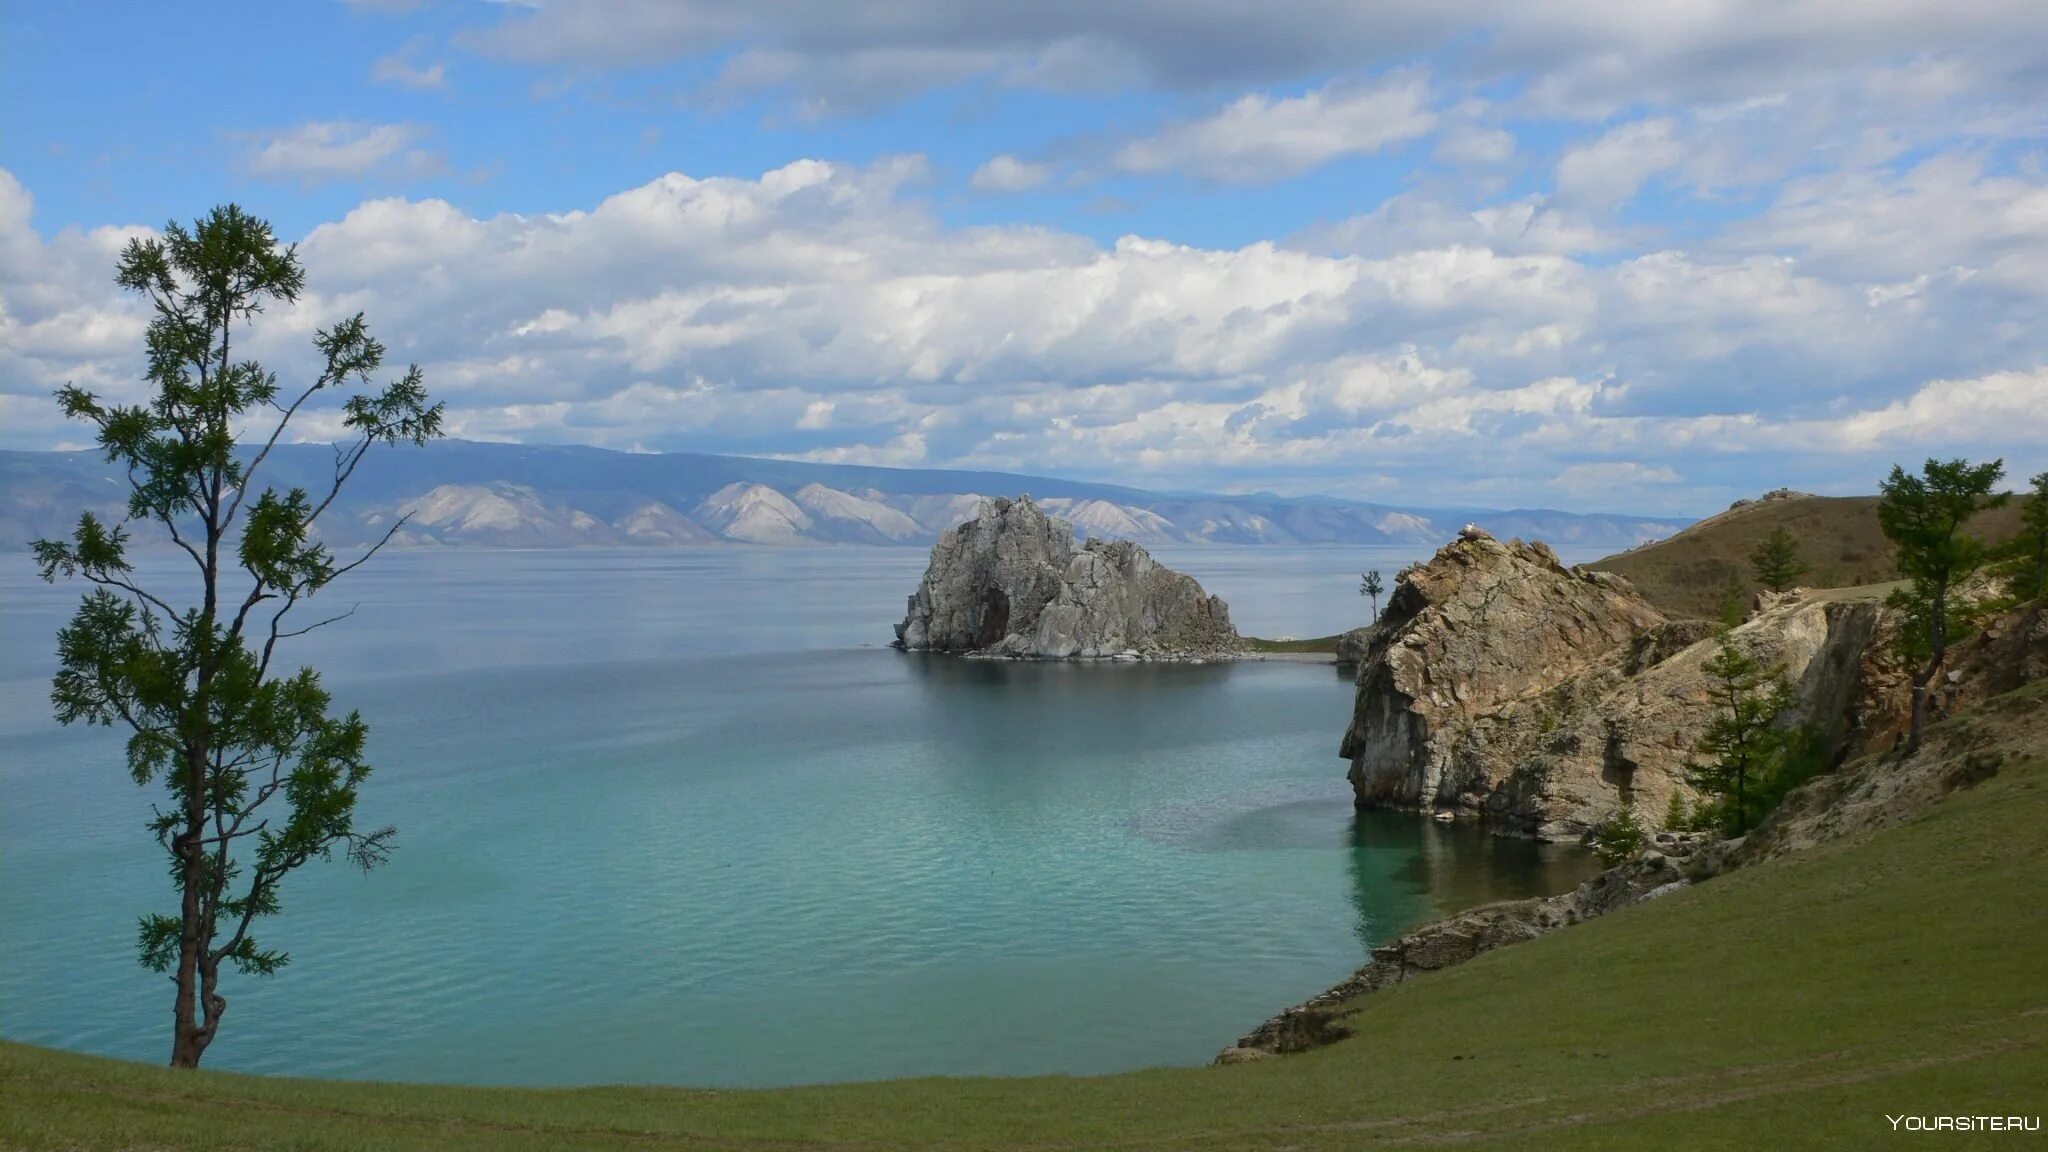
(1775, 562)
(2023, 560)
(1913, 642)
(1802, 755)
(1924, 516)
(1676, 817)
(1743, 744)
(1620, 836)
(258, 777)
(1734, 604)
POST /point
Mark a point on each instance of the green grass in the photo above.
(1839, 539)
(1318, 644)
(1788, 1005)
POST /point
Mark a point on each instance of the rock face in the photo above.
(1011, 582)
(1506, 686)
(1999, 694)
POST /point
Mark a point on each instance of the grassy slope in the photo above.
(1791, 1004)
(1838, 536)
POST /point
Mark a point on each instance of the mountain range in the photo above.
(527, 496)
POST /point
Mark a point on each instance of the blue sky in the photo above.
(1647, 255)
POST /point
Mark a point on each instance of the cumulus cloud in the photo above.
(823, 309)
(1008, 174)
(325, 151)
(1256, 138)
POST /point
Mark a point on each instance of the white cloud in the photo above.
(2001, 408)
(398, 68)
(1473, 145)
(1610, 170)
(324, 151)
(1256, 138)
(722, 314)
(1006, 173)
(1612, 482)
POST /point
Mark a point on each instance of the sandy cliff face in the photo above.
(1506, 686)
(1011, 582)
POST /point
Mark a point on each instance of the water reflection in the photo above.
(1450, 867)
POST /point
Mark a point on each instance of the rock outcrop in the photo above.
(1506, 686)
(1011, 582)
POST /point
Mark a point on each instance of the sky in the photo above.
(1620, 255)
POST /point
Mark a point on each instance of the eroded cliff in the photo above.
(1507, 686)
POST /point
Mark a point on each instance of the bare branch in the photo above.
(249, 474)
(321, 624)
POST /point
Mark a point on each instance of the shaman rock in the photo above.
(1011, 582)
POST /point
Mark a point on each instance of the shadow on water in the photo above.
(1453, 867)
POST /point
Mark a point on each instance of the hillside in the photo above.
(1687, 573)
(1793, 1003)
(520, 496)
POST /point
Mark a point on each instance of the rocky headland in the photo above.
(1994, 708)
(1011, 582)
(1503, 685)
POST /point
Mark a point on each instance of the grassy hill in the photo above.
(1838, 536)
(1793, 1004)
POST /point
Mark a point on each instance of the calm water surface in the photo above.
(681, 817)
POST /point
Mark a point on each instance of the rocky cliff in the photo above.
(1011, 582)
(1504, 685)
(1995, 716)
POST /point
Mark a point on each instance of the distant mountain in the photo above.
(519, 496)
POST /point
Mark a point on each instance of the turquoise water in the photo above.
(680, 817)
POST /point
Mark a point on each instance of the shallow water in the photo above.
(681, 817)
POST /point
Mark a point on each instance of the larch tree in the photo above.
(1775, 563)
(259, 777)
(1925, 517)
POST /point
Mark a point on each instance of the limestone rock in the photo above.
(1011, 583)
(1538, 697)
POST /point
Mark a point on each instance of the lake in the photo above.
(682, 817)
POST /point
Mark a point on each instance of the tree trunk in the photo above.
(1924, 682)
(189, 1037)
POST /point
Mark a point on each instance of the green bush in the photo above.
(1620, 836)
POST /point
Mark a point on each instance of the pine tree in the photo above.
(1734, 605)
(1775, 562)
(1620, 836)
(1369, 585)
(1742, 740)
(1676, 818)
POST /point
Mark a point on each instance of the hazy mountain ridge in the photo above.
(519, 496)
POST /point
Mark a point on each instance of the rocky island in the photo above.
(1011, 582)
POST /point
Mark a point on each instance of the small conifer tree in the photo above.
(1775, 563)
